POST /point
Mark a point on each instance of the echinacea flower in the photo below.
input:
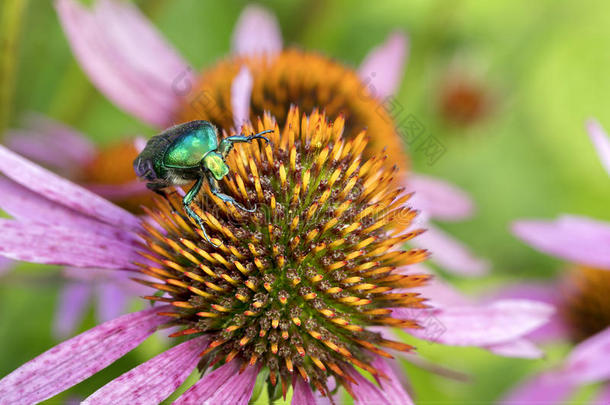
(581, 298)
(132, 64)
(292, 292)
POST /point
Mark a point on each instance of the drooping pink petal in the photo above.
(588, 362)
(222, 386)
(383, 67)
(153, 381)
(241, 89)
(54, 244)
(140, 143)
(555, 328)
(256, 32)
(547, 389)
(496, 323)
(365, 392)
(578, 239)
(519, 348)
(600, 140)
(439, 199)
(392, 387)
(111, 301)
(60, 190)
(450, 254)
(438, 292)
(51, 143)
(76, 359)
(73, 301)
(126, 58)
(28, 206)
(303, 395)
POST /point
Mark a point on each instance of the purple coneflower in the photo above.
(133, 65)
(292, 293)
(581, 298)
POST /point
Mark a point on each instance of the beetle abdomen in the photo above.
(189, 148)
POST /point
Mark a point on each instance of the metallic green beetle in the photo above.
(188, 152)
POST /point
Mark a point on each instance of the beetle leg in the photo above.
(228, 199)
(226, 145)
(186, 202)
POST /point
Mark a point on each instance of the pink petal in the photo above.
(53, 244)
(589, 361)
(222, 386)
(519, 348)
(153, 381)
(76, 359)
(45, 140)
(303, 395)
(450, 254)
(111, 301)
(241, 89)
(600, 141)
(578, 239)
(383, 67)
(365, 392)
(439, 199)
(555, 328)
(547, 389)
(60, 190)
(496, 323)
(438, 292)
(73, 302)
(392, 388)
(256, 32)
(126, 58)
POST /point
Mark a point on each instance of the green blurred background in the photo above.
(542, 65)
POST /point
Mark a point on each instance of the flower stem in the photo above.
(10, 25)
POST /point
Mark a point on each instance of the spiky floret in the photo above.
(305, 79)
(294, 285)
(585, 305)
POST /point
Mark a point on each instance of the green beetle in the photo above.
(185, 153)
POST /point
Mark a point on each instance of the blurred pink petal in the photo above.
(256, 32)
(303, 395)
(520, 348)
(153, 381)
(450, 254)
(496, 323)
(555, 328)
(439, 293)
(600, 140)
(439, 199)
(547, 389)
(577, 239)
(241, 89)
(111, 301)
(125, 57)
(383, 68)
(76, 359)
(589, 360)
(53, 244)
(51, 143)
(62, 191)
(222, 386)
(392, 387)
(73, 301)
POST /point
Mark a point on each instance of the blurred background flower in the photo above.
(544, 67)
